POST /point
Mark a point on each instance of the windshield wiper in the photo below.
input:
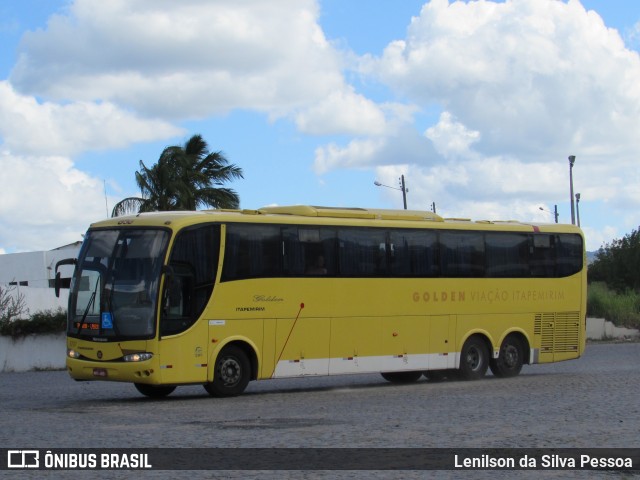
(90, 303)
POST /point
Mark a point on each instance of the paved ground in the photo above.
(590, 402)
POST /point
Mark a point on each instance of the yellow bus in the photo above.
(220, 298)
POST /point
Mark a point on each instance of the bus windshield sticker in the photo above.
(107, 320)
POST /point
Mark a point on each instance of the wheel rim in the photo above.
(230, 371)
(474, 359)
(511, 356)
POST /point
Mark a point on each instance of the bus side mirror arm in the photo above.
(66, 261)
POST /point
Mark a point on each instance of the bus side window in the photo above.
(507, 255)
(413, 253)
(462, 254)
(362, 252)
(570, 257)
(308, 251)
(543, 258)
(190, 277)
(252, 251)
(317, 266)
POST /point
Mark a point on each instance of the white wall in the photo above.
(37, 269)
(38, 299)
(33, 352)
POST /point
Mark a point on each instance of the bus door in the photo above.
(188, 286)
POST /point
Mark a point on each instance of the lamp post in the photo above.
(572, 160)
(555, 211)
(578, 207)
(402, 188)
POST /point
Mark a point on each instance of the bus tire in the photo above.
(231, 374)
(510, 360)
(154, 391)
(401, 377)
(474, 359)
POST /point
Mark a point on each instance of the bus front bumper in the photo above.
(135, 372)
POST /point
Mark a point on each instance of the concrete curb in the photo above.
(47, 352)
(601, 329)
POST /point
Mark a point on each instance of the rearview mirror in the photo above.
(58, 280)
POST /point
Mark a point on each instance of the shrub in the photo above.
(618, 264)
(622, 309)
(47, 321)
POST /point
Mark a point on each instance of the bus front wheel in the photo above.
(154, 391)
(474, 359)
(509, 362)
(231, 374)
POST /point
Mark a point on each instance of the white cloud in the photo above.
(597, 238)
(521, 85)
(45, 202)
(399, 145)
(530, 76)
(182, 59)
(633, 35)
(47, 128)
(450, 138)
(342, 112)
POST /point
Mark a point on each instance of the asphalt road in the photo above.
(590, 402)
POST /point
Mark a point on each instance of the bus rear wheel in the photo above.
(401, 377)
(231, 373)
(154, 391)
(510, 360)
(474, 359)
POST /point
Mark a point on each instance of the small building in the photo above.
(32, 274)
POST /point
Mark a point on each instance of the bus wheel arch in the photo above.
(514, 352)
(234, 366)
(249, 350)
(474, 357)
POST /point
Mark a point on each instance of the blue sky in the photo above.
(477, 103)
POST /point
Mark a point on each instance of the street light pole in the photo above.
(578, 207)
(402, 188)
(555, 211)
(572, 160)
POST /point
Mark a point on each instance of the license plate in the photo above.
(99, 372)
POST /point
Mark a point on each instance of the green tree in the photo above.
(185, 178)
(618, 264)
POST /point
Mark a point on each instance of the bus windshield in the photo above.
(114, 291)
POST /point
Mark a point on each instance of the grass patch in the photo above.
(622, 309)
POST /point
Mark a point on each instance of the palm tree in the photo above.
(185, 178)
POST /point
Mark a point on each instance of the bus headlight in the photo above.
(137, 357)
(71, 353)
